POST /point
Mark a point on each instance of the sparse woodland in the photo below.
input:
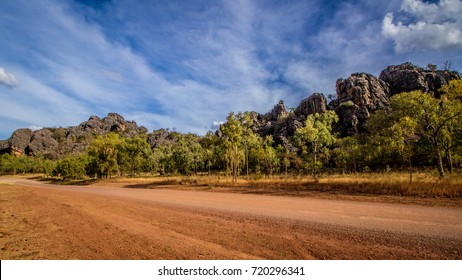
(417, 131)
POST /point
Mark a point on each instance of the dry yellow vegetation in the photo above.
(392, 183)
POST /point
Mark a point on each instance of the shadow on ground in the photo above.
(152, 185)
(55, 181)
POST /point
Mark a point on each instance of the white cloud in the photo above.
(35, 127)
(216, 125)
(7, 79)
(186, 66)
(434, 26)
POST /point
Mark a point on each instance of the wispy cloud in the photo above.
(432, 26)
(7, 79)
(186, 64)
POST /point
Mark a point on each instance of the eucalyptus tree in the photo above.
(347, 153)
(317, 134)
(209, 145)
(425, 116)
(232, 136)
(104, 153)
(392, 136)
(134, 153)
(72, 167)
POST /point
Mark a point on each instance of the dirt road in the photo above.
(41, 221)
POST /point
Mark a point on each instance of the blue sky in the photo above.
(185, 65)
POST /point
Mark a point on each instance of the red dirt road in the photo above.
(42, 221)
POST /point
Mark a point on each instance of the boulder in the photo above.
(19, 141)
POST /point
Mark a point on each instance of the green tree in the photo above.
(71, 167)
(431, 118)
(348, 153)
(187, 154)
(103, 154)
(283, 155)
(317, 134)
(452, 138)
(232, 134)
(270, 158)
(209, 145)
(135, 151)
(9, 164)
(393, 134)
(249, 138)
(162, 159)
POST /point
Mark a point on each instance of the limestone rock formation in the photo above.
(160, 137)
(19, 141)
(42, 142)
(408, 77)
(357, 98)
(4, 147)
(316, 103)
(279, 111)
(282, 124)
(56, 142)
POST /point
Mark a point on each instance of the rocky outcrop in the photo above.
(113, 122)
(282, 124)
(42, 142)
(357, 98)
(362, 94)
(408, 77)
(316, 103)
(56, 142)
(161, 137)
(4, 147)
(19, 141)
(279, 111)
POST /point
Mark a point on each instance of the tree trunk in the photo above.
(410, 170)
(247, 159)
(314, 159)
(439, 159)
(439, 162)
(235, 164)
(449, 160)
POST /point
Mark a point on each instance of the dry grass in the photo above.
(396, 184)
(425, 184)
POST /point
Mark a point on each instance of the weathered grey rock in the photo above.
(279, 111)
(19, 141)
(42, 142)
(4, 147)
(114, 122)
(357, 98)
(316, 103)
(282, 124)
(408, 77)
(160, 137)
(92, 125)
(58, 142)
